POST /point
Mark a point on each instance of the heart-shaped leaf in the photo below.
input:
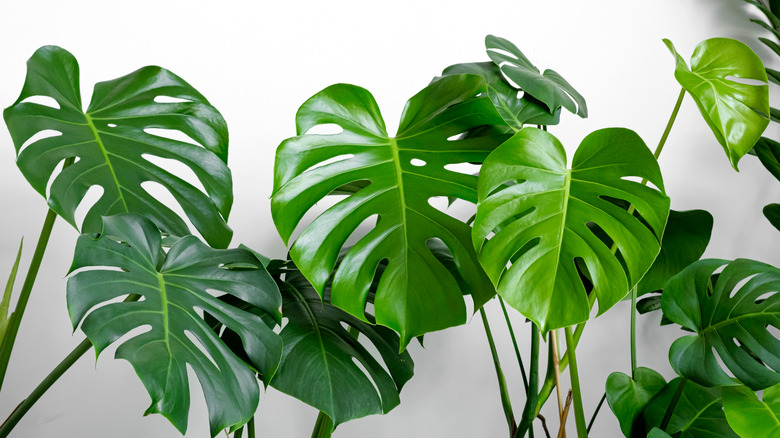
(416, 292)
(628, 397)
(551, 215)
(549, 87)
(730, 317)
(128, 259)
(116, 143)
(729, 84)
(750, 417)
(697, 414)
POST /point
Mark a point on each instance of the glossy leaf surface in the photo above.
(128, 259)
(549, 87)
(541, 223)
(729, 84)
(698, 413)
(730, 318)
(749, 416)
(628, 397)
(117, 141)
(416, 293)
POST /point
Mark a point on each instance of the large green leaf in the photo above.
(416, 292)
(128, 259)
(516, 111)
(628, 397)
(321, 356)
(730, 317)
(113, 141)
(721, 79)
(750, 417)
(541, 224)
(549, 87)
(698, 413)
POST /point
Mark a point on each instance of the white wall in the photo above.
(258, 61)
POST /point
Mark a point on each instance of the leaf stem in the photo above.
(514, 344)
(596, 412)
(549, 380)
(579, 415)
(633, 332)
(673, 404)
(250, 427)
(505, 401)
(530, 411)
(323, 427)
(669, 124)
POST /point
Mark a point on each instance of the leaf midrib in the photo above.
(399, 182)
(103, 151)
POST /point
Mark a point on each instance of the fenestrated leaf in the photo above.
(750, 417)
(730, 317)
(541, 223)
(628, 397)
(515, 111)
(768, 152)
(698, 413)
(549, 87)
(416, 292)
(320, 354)
(128, 259)
(772, 214)
(686, 237)
(113, 141)
(721, 79)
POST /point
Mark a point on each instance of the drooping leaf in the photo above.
(128, 259)
(416, 293)
(772, 214)
(698, 413)
(722, 80)
(750, 417)
(549, 87)
(628, 397)
(730, 317)
(515, 111)
(685, 238)
(768, 151)
(116, 142)
(541, 223)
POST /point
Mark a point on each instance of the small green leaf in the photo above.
(720, 80)
(750, 417)
(698, 413)
(772, 214)
(628, 397)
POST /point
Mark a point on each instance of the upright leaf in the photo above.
(750, 417)
(115, 141)
(416, 293)
(721, 79)
(628, 397)
(128, 259)
(730, 317)
(541, 223)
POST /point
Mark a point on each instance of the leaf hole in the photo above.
(524, 249)
(416, 162)
(335, 159)
(172, 134)
(167, 203)
(177, 169)
(89, 200)
(368, 375)
(362, 229)
(745, 81)
(737, 289)
(774, 331)
(505, 185)
(196, 342)
(584, 273)
(133, 333)
(765, 296)
(325, 129)
(456, 137)
(111, 125)
(508, 221)
(464, 168)
(39, 136)
(170, 99)
(43, 100)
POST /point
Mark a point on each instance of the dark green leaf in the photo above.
(750, 417)
(730, 316)
(658, 433)
(773, 75)
(771, 44)
(416, 292)
(541, 223)
(720, 80)
(767, 26)
(685, 239)
(698, 413)
(628, 397)
(128, 259)
(649, 304)
(112, 142)
(772, 213)
(768, 151)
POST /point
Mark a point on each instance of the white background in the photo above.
(258, 61)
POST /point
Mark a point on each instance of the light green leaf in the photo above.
(698, 413)
(750, 417)
(730, 317)
(128, 259)
(116, 144)
(628, 397)
(416, 293)
(541, 223)
(722, 80)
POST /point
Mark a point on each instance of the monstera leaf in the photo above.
(128, 259)
(416, 293)
(116, 143)
(750, 417)
(549, 87)
(730, 317)
(697, 414)
(516, 111)
(321, 356)
(628, 397)
(719, 80)
(541, 223)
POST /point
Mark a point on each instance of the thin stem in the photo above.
(505, 401)
(596, 412)
(514, 344)
(579, 415)
(239, 432)
(323, 427)
(544, 425)
(530, 408)
(673, 404)
(633, 332)
(549, 380)
(250, 427)
(669, 124)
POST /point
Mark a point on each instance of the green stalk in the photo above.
(633, 332)
(529, 411)
(323, 427)
(579, 414)
(514, 344)
(669, 124)
(596, 412)
(250, 427)
(239, 432)
(673, 404)
(505, 401)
